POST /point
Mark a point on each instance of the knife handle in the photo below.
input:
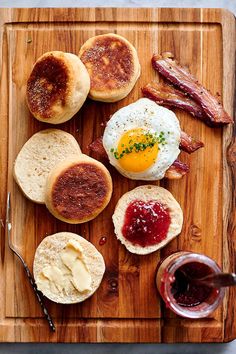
(39, 296)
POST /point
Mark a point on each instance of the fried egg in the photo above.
(142, 140)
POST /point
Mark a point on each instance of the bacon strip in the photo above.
(177, 170)
(181, 77)
(169, 96)
(97, 147)
(188, 143)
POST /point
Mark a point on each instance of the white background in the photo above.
(228, 348)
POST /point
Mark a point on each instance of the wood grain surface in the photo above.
(126, 307)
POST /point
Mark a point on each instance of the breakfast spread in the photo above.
(113, 66)
(142, 140)
(78, 189)
(67, 268)
(57, 87)
(147, 218)
(214, 113)
(38, 156)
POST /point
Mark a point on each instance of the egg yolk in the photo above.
(137, 150)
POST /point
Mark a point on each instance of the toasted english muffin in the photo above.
(57, 87)
(38, 156)
(48, 254)
(147, 193)
(113, 66)
(78, 189)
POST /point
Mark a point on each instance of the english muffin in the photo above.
(38, 156)
(67, 268)
(113, 66)
(147, 218)
(57, 87)
(78, 189)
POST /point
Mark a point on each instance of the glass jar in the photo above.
(170, 282)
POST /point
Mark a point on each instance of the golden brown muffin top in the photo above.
(47, 86)
(109, 61)
(80, 191)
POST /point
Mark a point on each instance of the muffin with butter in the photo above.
(67, 268)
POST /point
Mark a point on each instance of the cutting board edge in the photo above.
(228, 16)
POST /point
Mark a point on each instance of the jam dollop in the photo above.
(146, 223)
(102, 240)
(185, 291)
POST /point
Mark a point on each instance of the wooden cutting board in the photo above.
(126, 307)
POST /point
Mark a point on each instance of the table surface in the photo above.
(228, 348)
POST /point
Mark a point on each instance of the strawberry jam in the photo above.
(146, 223)
(185, 291)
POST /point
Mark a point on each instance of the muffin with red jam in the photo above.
(147, 218)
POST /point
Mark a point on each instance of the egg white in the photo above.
(147, 115)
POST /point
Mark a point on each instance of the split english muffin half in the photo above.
(38, 156)
(78, 189)
(113, 66)
(147, 218)
(57, 87)
(67, 268)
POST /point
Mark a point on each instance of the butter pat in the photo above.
(73, 258)
(52, 278)
(80, 277)
(70, 271)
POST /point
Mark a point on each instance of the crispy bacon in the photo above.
(177, 170)
(169, 96)
(97, 147)
(188, 143)
(181, 77)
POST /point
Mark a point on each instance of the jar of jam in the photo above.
(181, 294)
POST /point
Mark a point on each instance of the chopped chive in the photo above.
(149, 140)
